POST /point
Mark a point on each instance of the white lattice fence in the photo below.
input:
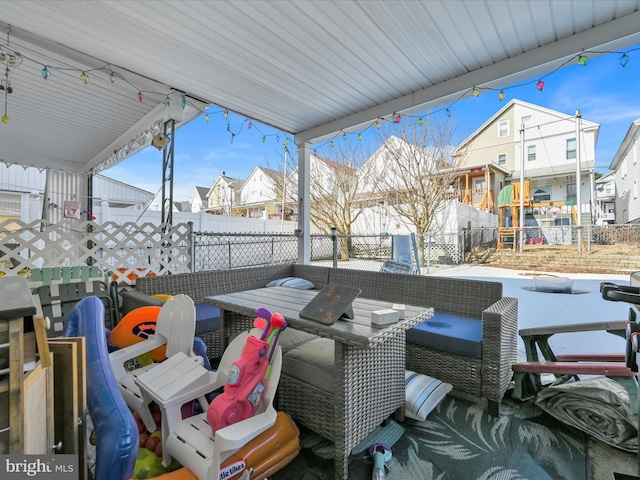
(127, 250)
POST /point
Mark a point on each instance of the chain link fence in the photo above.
(223, 251)
(589, 239)
(226, 251)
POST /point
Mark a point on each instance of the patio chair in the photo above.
(191, 441)
(175, 328)
(404, 255)
(621, 367)
(57, 300)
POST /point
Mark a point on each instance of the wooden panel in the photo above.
(16, 393)
(38, 410)
(70, 393)
(4, 415)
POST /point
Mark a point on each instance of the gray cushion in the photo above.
(290, 338)
(312, 362)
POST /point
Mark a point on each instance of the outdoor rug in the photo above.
(458, 441)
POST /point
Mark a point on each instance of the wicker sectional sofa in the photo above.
(480, 368)
(485, 376)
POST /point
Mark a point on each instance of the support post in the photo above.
(304, 204)
(521, 213)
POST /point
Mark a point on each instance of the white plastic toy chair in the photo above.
(191, 441)
(175, 328)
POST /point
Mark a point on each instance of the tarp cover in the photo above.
(599, 407)
(505, 196)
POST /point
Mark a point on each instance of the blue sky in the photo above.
(603, 91)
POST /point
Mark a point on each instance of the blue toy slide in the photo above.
(116, 429)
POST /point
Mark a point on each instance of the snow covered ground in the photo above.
(537, 309)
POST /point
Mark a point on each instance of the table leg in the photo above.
(369, 387)
(231, 324)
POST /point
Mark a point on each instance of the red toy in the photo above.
(246, 379)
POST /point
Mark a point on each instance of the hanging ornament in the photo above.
(264, 138)
(167, 100)
(9, 56)
(540, 85)
(184, 102)
(378, 123)
(12, 59)
(84, 77)
(315, 152)
(112, 77)
(582, 60)
(501, 95)
(286, 150)
(360, 136)
(475, 92)
(225, 114)
(140, 96)
(398, 119)
(624, 59)
(448, 112)
(206, 117)
(45, 73)
(331, 144)
(250, 125)
(286, 141)
(420, 121)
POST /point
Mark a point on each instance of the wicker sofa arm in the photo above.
(499, 347)
(132, 299)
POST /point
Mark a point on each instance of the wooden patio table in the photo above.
(369, 359)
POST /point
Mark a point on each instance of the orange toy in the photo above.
(135, 327)
(266, 454)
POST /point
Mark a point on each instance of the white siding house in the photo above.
(198, 199)
(224, 195)
(605, 199)
(258, 194)
(626, 165)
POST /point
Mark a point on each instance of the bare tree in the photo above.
(420, 171)
(336, 185)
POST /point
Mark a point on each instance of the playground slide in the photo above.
(116, 429)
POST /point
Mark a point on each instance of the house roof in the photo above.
(311, 69)
(626, 144)
(235, 183)
(586, 124)
(202, 192)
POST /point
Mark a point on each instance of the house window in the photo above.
(541, 194)
(531, 153)
(571, 148)
(502, 159)
(526, 121)
(503, 129)
(571, 192)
